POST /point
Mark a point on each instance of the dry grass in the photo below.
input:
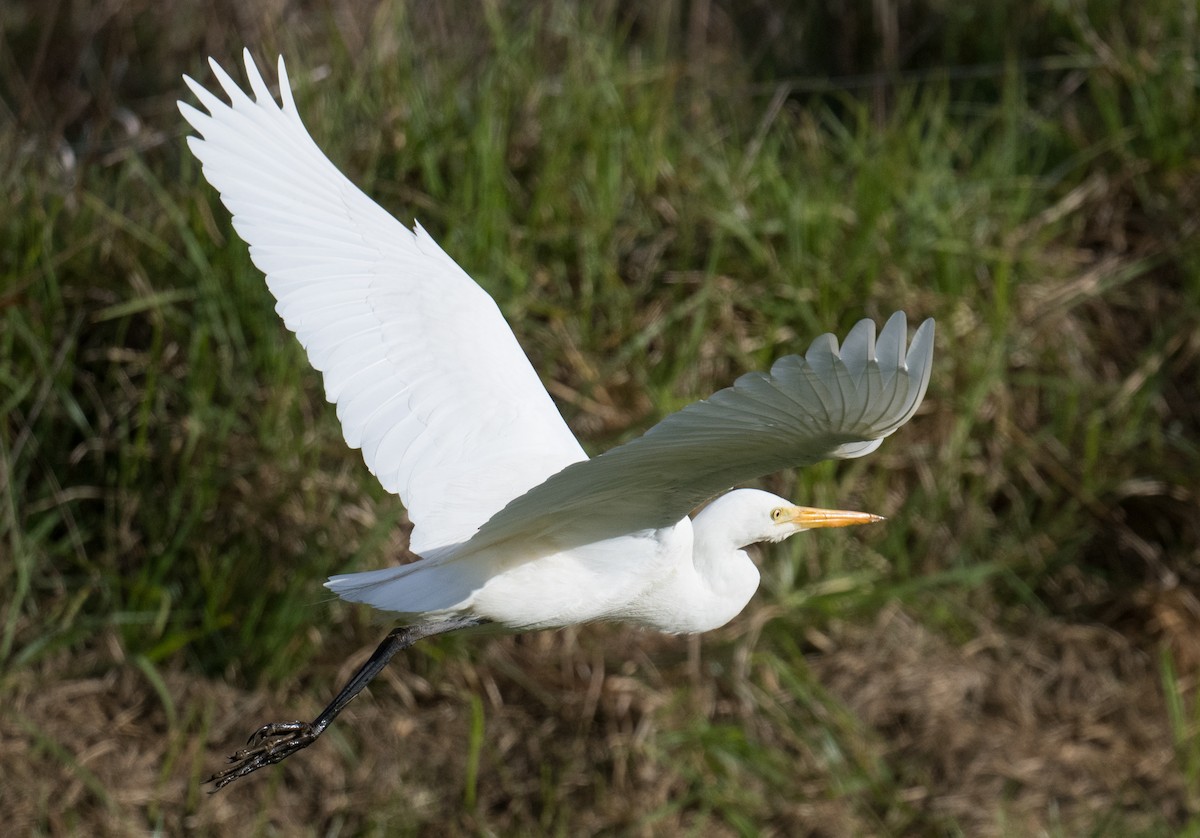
(1059, 730)
(1066, 720)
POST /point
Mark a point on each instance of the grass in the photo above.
(659, 201)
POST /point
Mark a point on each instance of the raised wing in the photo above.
(830, 403)
(428, 379)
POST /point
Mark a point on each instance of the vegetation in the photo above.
(659, 197)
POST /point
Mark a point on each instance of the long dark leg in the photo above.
(277, 741)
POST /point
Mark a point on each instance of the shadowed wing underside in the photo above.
(829, 403)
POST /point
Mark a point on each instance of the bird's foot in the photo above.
(268, 745)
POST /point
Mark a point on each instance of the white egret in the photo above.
(516, 527)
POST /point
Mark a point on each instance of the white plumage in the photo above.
(515, 524)
(428, 379)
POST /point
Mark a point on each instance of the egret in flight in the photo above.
(516, 527)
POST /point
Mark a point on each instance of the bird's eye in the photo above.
(777, 514)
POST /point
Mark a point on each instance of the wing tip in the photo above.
(285, 89)
(858, 347)
(921, 346)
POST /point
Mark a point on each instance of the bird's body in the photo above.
(623, 577)
(515, 525)
(666, 579)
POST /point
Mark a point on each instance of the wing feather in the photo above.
(428, 379)
(828, 403)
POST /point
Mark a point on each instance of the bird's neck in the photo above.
(725, 577)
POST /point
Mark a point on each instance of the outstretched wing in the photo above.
(428, 379)
(830, 403)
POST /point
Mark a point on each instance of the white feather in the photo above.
(367, 298)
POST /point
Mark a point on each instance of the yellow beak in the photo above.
(811, 519)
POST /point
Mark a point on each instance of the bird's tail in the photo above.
(429, 588)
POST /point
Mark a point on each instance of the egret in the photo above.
(516, 528)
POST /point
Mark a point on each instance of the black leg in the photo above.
(277, 741)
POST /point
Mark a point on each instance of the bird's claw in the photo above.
(273, 729)
(268, 745)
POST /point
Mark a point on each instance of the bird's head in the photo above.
(751, 516)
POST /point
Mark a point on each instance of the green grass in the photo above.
(653, 218)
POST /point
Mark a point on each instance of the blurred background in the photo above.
(660, 196)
